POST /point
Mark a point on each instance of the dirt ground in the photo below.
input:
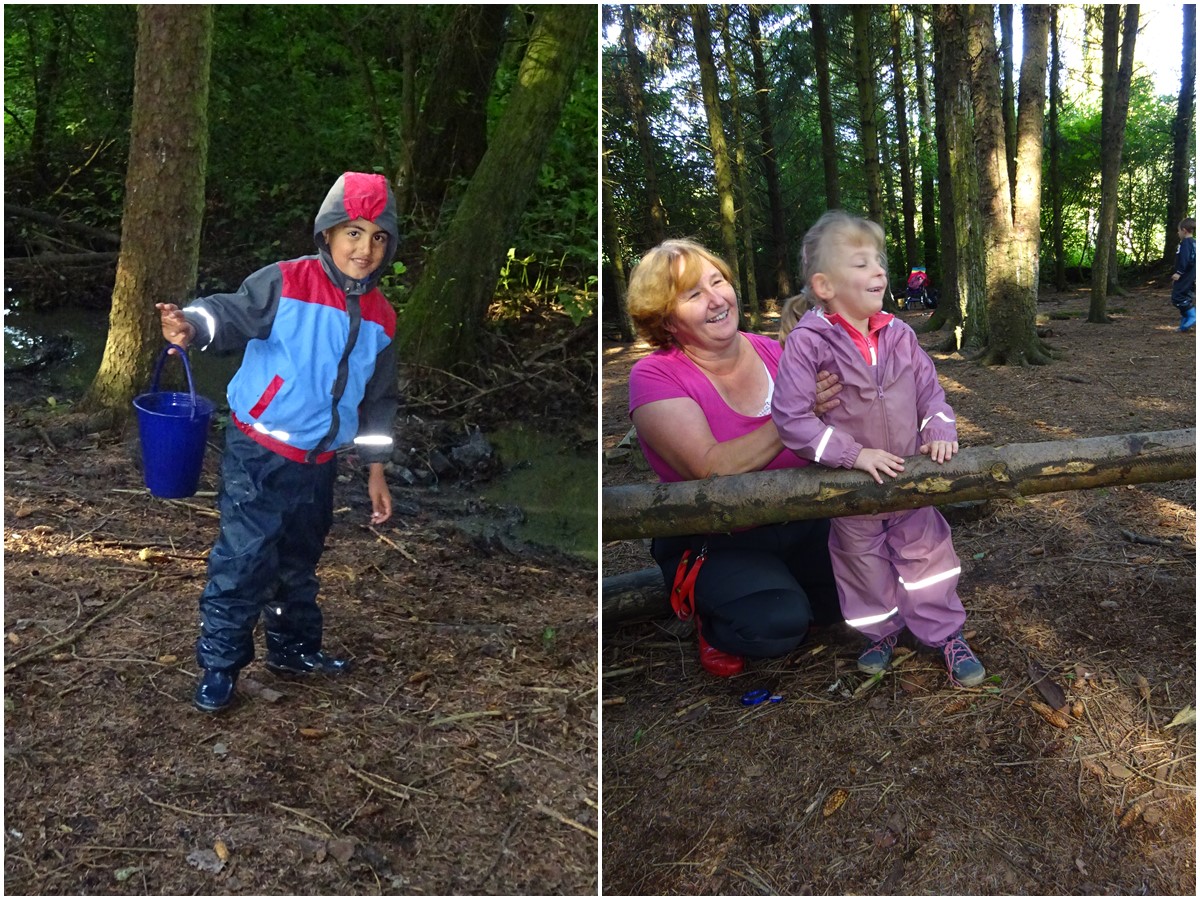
(459, 757)
(911, 786)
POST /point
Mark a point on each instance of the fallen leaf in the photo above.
(126, 873)
(1047, 687)
(341, 850)
(834, 802)
(168, 659)
(418, 677)
(221, 850)
(253, 688)
(206, 861)
(1152, 816)
(148, 555)
(1143, 687)
(313, 733)
(1118, 770)
(1186, 716)
(23, 512)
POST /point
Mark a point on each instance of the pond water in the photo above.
(553, 483)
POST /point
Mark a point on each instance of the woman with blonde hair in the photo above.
(701, 404)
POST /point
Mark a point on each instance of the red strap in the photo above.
(683, 591)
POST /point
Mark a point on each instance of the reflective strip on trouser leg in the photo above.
(866, 581)
(871, 620)
(928, 569)
(932, 579)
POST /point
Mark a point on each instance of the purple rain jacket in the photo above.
(896, 405)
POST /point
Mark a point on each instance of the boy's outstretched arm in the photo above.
(381, 497)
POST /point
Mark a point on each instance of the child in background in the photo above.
(318, 375)
(1183, 287)
(898, 569)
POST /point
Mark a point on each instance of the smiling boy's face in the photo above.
(357, 247)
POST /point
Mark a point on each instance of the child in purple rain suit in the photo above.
(897, 569)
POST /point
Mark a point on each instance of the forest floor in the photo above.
(912, 786)
(458, 757)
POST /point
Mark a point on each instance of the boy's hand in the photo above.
(381, 497)
(940, 451)
(1175, 277)
(879, 462)
(175, 327)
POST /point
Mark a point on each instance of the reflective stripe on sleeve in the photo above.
(821, 446)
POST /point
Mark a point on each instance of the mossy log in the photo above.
(723, 504)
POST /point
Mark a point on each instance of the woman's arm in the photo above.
(677, 430)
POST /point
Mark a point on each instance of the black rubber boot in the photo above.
(306, 664)
(215, 690)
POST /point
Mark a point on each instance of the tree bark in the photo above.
(829, 160)
(164, 196)
(656, 225)
(1011, 300)
(1008, 96)
(865, 79)
(702, 32)
(925, 155)
(443, 319)
(750, 299)
(1181, 132)
(616, 255)
(779, 232)
(1115, 112)
(1027, 212)
(1055, 141)
(724, 504)
(908, 198)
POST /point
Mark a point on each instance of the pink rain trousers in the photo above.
(895, 570)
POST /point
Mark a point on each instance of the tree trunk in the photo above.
(1181, 131)
(820, 33)
(724, 504)
(451, 134)
(779, 232)
(925, 154)
(1055, 141)
(656, 226)
(865, 79)
(1011, 303)
(750, 299)
(702, 32)
(442, 321)
(616, 255)
(1027, 212)
(964, 292)
(907, 191)
(1008, 96)
(1113, 116)
(164, 196)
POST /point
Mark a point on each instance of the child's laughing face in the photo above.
(357, 247)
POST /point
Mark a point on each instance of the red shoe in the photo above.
(718, 662)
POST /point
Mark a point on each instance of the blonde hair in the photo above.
(657, 281)
(816, 252)
(794, 308)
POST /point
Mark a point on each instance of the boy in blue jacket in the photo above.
(318, 376)
(1183, 288)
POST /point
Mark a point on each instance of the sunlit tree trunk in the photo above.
(656, 226)
(615, 251)
(864, 76)
(1177, 205)
(443, 319)
(1055, 141)
(750, 297)
(164, 196)
(1114, 113)
(829, 160)
(779, 231)
(907, 192)
(702, 31)
(1008, 94)
(1027, 209)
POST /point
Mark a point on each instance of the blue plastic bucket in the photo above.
(174, 430)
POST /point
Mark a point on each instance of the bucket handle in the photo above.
(187, 368)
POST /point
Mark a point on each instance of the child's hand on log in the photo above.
(878, 463)
(940, 451)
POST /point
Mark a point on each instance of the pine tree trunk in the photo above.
(1114, 113)
(1055, 141)
(925, 154)
(907, 191)
(724, 504)
(1181, 131)
(750, 299)
(820, 33)
(164, 197)
(656, 226)
(443, 319)
(779, 239)
(865, 79)
(1011, 302)
(1027, 214)
(1008, 96)
(616, 256)
(702, 31)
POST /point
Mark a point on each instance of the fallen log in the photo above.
(727, 503)
(11, 210)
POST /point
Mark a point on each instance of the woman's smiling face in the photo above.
(707, 311)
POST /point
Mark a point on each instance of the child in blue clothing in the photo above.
(318, 376)
(1183, 287)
